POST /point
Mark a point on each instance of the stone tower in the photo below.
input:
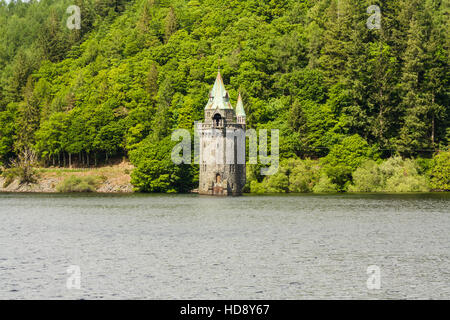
(222, 144)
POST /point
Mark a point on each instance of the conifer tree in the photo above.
(170, 24)
(414, 134)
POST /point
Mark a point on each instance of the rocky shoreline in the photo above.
(114, 179)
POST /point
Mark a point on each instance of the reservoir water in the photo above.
(199, 247)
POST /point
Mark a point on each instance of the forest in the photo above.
(359, 109)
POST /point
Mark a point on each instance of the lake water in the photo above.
(200, 247)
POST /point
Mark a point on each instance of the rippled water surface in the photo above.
(251, 247)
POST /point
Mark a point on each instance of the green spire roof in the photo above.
(240, 112)
(218, 97)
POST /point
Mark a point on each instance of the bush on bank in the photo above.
(394, 174)
(155, 171)
(79, 184)
(352, 165)
(440, 172)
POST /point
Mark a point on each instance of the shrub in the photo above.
(303, 174)
(367, 178)
(424, 166)
(10, 175)
(402, 176)
(401, 181)
(294, 175)
(78, 184)
(256, 187)
(345, 157)
(392, 175)
(276, 183)
(440, 172)
(22, 168)
(325, 185)
(155, 172)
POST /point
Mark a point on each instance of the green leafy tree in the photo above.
(345, 157)
(155, 171)
(49, 137)
(170, 24)
(7, 130)
(138, 69)
(440, 173)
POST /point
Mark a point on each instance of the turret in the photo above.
(218, 109)
(240, 112)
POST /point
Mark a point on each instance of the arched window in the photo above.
(218, 178)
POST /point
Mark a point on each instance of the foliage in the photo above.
(302, 174)
(393, 175)
(22, 168)
(6, 134)
(345, 157)
(10, 175)
(325, 185)
(440, 173)
(367, 178)
(294, 175)
(155, 171)
(138, 69)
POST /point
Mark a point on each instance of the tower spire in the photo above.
(240, 112)
(218, 97)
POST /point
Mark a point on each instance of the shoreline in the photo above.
(116, 179)
(113, 179)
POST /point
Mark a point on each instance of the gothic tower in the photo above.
(222, 144)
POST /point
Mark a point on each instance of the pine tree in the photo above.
(51, 39)
(170, 24)
(152, 80)
(143, 22)
(381, 92)
(436, 70)
(414, 134)
(336, 40)
(383, 74)
(28, 119)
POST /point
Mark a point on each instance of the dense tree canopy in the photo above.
(138, 69)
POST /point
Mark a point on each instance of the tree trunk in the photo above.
(432, 124)
(432, 130)
(380, 115)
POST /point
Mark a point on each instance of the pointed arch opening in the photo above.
(217, 117)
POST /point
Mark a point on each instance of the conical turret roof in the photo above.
(240, 112)
(218, 97)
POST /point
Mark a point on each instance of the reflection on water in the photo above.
(251, 247)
